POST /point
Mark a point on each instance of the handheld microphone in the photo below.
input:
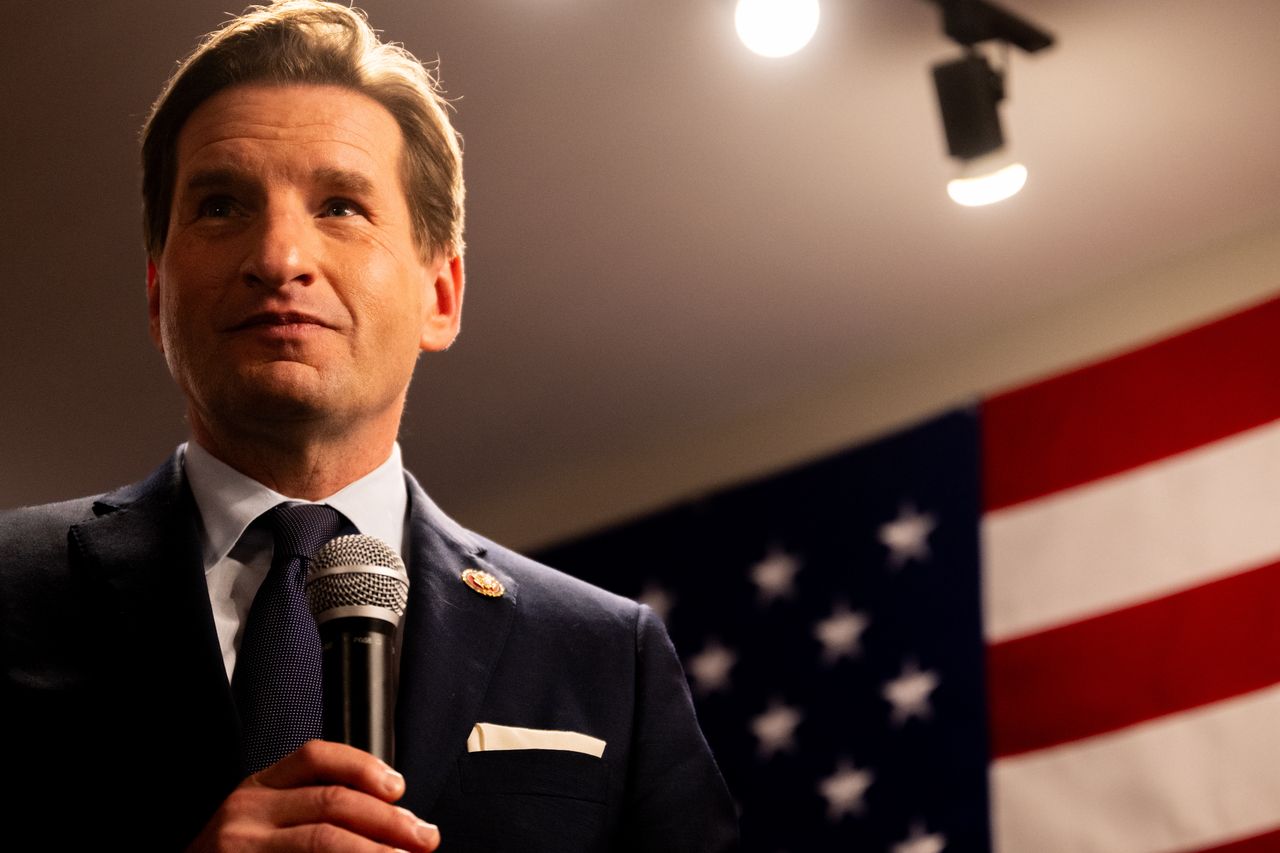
(357, 588)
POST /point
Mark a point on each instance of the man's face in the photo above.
(290, 288)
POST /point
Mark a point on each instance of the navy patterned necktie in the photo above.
(277, 679)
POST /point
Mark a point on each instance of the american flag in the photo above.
(1047, 622)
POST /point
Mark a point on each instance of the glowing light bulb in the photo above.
(776, 27)
(989, 188)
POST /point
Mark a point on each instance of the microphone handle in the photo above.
(359, 684)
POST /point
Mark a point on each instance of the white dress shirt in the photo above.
(237, 557)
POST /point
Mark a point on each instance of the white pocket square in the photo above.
(491, 737)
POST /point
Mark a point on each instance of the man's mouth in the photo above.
(278, 318)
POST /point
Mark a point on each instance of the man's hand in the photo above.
(326, 796)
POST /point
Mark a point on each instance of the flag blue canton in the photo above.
(829, 621)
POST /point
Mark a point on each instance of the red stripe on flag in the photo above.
(1268, 842)
(1217, 640)
(1135, 408)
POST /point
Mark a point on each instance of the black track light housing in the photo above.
(969, 92)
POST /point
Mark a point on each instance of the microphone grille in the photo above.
(357, 575)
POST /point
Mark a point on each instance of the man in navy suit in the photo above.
(303, 205)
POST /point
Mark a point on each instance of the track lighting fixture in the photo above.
(969, 94)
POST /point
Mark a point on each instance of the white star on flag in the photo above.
(841, 633)
(710, 667)
(920, 842)
(909, 693)
(844, 790)
(775, 729)
(907, 536)
(658, 599)
(775, 576)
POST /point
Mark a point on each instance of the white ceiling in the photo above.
(665, 230)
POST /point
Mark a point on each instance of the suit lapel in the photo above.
(453, 639)
(144, 548)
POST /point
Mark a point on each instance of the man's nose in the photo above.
(281, 252)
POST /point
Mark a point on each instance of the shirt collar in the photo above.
(229, 501)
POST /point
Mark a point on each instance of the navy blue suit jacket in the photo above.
(118, 720)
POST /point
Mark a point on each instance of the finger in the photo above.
(342, 808)
(339, 840)
(321, 762)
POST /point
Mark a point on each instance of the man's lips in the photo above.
(276, 319)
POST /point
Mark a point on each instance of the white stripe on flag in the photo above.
(1178, 783)
(1170, 525)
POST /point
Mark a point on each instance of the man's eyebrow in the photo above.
(213, 179)
(343, 181)
(331, 178)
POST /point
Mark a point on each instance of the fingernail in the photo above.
(393, 781)
(427, 832)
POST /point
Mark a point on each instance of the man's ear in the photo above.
(442, 308)
(153, 303)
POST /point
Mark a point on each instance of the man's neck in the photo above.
(303, 466)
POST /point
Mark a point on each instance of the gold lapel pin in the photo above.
(483, 583)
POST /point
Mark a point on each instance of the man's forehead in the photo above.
(316, 126)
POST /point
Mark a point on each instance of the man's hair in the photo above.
(320, 43)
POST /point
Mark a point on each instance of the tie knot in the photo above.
(300, 529)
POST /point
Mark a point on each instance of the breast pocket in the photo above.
(544, 772)
(528, 801)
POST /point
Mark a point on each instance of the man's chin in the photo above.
(268, 398)
(286, 384)
(282, 399)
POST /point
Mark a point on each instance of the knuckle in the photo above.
(332, 798)
(311, 752)
(322, 837)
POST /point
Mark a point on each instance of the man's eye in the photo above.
(217, 207)
(342, 207)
